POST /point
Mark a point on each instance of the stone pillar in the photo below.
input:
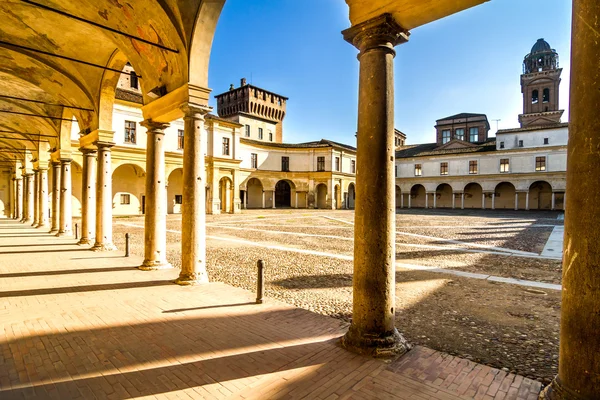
(401, 200)
(43, 198)
(66, 213)
(28, 218)
(516, 201)
(409, 199)
(88, 197)
(527, 200)
(36, 197)
(104, 199)
(493, 201)
(296, 200)
(426, 200)
(579, 356)
(55, 221)
(193, 235)
(155, 218)
(273, 200)
(373, 329)
(19, 199)
(462, 201)
(246, 199)
(564, 201)
(11, 197)
(553, 201)
(483, 201)
(453, 200)
(263, 199)
(434, 199)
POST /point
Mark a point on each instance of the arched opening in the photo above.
(535, 95)
(351, 196)
(398, 196)
(283, 194)
(321, 195)
(505, 195)
(417, 196)
(226, 195)
(255, 193)
(473, 193)
(128, 184)
(76, 188)
(175, 191)
(443, 195)
(540, 196)
(546, 95)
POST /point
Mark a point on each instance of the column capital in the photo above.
(66, 160)
(381, 32)
(153, 126)
(104, 145)
(195, 111)
(88, 152)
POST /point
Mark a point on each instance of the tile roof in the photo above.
(462, 115)
(323, 143)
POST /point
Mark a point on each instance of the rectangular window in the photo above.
(546, 140)
(520, 143)
(270, 136)
(125, 199)
(178, 199)
(473, 167)
(130, 132)
(504, 165)
(473, 135)
(247, 130)
(320, 163)
(253, 160)
(445, 136)
(337, 163)
(417, 169)
(225, 146)
(501, 145)
(540, 163)
(285, 164)
(353, 166)
(133, 80)
(260, 133)
(459, 134)
(395, 171)
(180, 139)
(444, 168)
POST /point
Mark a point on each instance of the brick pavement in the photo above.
(81, 325)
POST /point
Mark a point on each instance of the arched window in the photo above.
(535, 96)
(546, 97)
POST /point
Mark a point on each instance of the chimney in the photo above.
(243, 82)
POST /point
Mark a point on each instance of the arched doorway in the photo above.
(226, 195)
(128, 184)
(504, 195)
(540, 196)
(175, 191)
(321, 195)
(443, 195)
(254, 191)
(417, 196)
(351, 196)
(473, 193)
(283, 194)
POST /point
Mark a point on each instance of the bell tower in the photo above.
(540, 86)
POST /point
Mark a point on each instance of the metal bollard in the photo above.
(76, 231)
(260, 283)
(127, 245)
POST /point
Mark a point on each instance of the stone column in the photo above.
(426, 200)
(43, 198)
(246, 199)
(579, 356)
(516, 201)
(104, 199)
(11, 197)
(373, 329)
(88, 198)
(296, 200)
(409, 200)
(462, 201)
(401, 200)
(19, 199)
(434, 199)
(28, 218)
(273, 200)
(55, 223)
(483, 201)
(263, 199)
(564, 201)
(36, 197)
(553, 201)
(453, 200)
(527, 200)
(155, 218)
(193, 235)
(493, 201)
(66, 213)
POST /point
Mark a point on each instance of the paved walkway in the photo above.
(77, 324)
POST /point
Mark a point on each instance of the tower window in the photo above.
(540, 163)
(473, 167)
(445, 136)
(535, 96)
(353, 166)
(459, 134)
(225, 146)
(501, 145)
(520, 143)
(270, 136)
(133, 80)
(337, 163)
(546, 95)
(473, 135)
(247, 130)
(444, 168)
(418, 170)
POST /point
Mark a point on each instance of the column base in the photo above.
(556, 391)
(104, 247)
(27, 221)
(86, 241)
(387, 345)
(42, 226)
(64, 233)
(154, 265)
(53, 231)
(191, 279)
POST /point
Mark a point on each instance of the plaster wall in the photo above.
(533, 139)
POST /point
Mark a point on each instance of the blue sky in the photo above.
(468, 62)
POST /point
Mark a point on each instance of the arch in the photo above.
(504, 194)
(443, 194)
(283, 194)
(417, 196)
(535, 96)
(108, 89)
(226, 194)
(351, 195)
(254, 191)
(473, 192)
(175, 191)
(540, 196)
(128, 186)
(321, 191)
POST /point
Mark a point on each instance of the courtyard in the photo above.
(482, 285)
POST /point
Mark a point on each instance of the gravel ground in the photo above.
(501, 325)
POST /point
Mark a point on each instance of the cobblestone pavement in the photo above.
(82, 325)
